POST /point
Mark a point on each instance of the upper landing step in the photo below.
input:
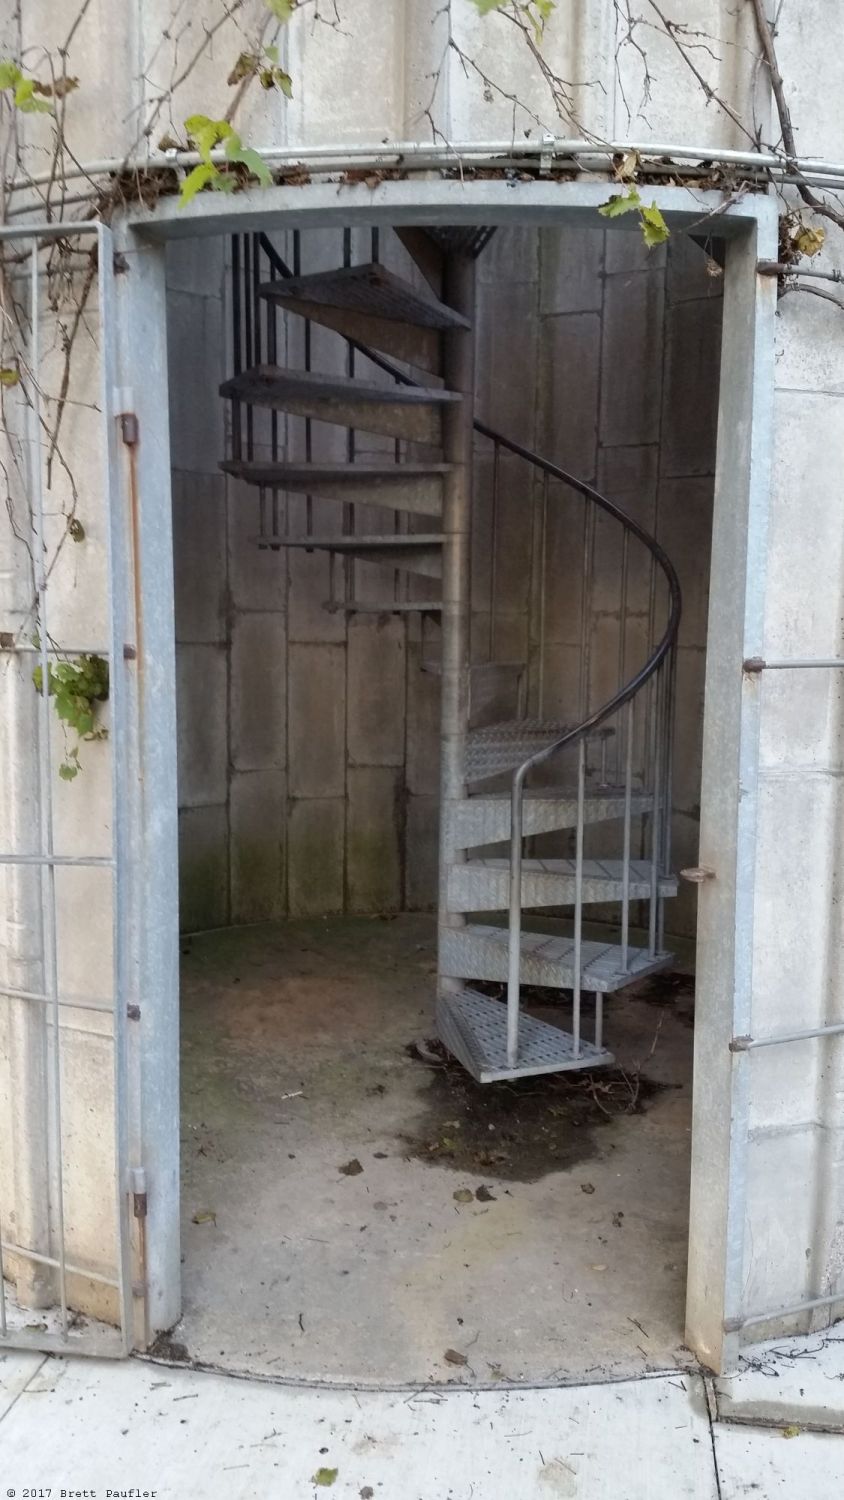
(415, 488)
(397, 411)
(371, 306)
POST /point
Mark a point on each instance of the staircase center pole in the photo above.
(458, 442)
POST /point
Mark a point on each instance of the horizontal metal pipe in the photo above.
(734, 1325)
(796, 663)
(50, 1260)
(23, 648)
(748, 1043)
(444, 153)
(81, 861)
(103, 1007)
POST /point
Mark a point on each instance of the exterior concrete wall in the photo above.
(308, 740)
(372, 77)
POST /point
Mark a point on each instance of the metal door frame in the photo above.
(136, 356)
(92, 1338)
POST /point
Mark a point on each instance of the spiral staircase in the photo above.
(510, 917)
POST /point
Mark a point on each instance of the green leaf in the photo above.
(282, 8)
(9, 377)
(272, 54)
(655, 231)
(621, 203)
(325, 1477)
(235, 151)
(27, 101)
(196, 180)
(485, 6)
(68, 770)
(10, 74)
(207, 133)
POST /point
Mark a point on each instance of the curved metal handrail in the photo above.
(576, 736)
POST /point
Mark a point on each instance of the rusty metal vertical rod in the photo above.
(458, 442)
(237, 345)
(628, 803)
(48, 870)
(493, 548)
(656, 835)
(247, 340)
(578, 898)
(622, 627)
(543, 591)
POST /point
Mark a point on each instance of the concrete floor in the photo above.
(393, 1272)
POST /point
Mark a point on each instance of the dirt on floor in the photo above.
(357, 1208)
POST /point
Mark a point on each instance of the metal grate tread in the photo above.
(303, 476)
(502, 747)
(268, 383)
(474, 1028)
(350, 542)
(370, 289)
(593, 869)
(480, 952)
(394, 607)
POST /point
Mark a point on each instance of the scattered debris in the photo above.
(169, 1349)
(587, 1187)
(525, 1128)
(617, 1218)
(206, 1216)
(454, 1357)
(484, 1195)
(351, 1168)
(297, 1094)
(463, 1195)
(367, 1492)
(791, 1431)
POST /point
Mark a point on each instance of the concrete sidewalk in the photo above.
(76, 1426)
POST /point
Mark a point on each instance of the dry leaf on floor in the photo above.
(463, 1195)
(484, 1195)
(587, 1187)
(454, 1357)
(325, 1477)
(351, 1168)
(205, 1218)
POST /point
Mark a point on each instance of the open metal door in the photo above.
(66, 1191)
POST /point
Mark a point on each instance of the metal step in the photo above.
(398, 411)
(415, 488)
(484, 884)
(486, 820)
(479, 952)
(474, 1029)
(421, 553)
(372, 306)
(384, 607)
(503, 747)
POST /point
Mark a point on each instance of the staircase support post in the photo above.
(458, 442)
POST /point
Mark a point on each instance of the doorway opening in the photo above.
(357, 1205)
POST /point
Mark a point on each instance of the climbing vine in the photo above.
(76, 688)
(242, 43)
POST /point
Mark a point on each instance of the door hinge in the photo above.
(138, 1189)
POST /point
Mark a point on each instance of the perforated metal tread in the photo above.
(502, 747)
(268, 384)
(416, 488)
(484, 884)
(368, 289)
(474, 1028)
(480, 952)
(486, 819)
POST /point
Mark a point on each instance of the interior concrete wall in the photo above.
(308, 739)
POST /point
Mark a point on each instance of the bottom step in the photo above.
(474, 1029)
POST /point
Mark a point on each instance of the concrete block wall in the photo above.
(309, 737)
